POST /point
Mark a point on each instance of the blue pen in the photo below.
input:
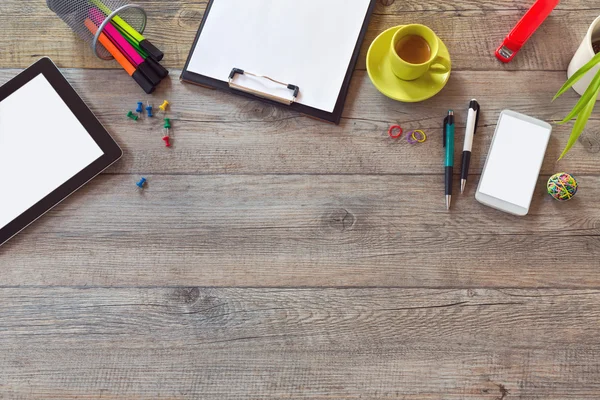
(449, 146)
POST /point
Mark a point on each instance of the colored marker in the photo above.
(161, 71)
(148, 47)
(123, 45)
(140, 78)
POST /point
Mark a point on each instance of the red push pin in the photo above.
(166, 138)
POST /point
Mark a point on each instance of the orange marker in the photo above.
(121, 59)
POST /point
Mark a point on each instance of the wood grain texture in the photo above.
(220, 344)
(471, 29)
(277, 257)
(310, 230)
(218, 133)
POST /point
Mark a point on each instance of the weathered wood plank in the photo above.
(216, 133)
(299, 344)
(472, 30)
(397, 6)
(304, 231)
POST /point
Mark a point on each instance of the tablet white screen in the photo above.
(514, 162)
(42, 146)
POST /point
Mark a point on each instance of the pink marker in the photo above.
(123, 45)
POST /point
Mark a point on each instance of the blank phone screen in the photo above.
(515, 160)
(42, 146)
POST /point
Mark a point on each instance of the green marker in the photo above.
(161, 71)
(123, 26)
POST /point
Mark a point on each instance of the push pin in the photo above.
(149, 109)
(141, 183)
(163, 107)
(140, 108)
(131, 115)
(167, 137)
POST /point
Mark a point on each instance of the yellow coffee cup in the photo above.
(432, 62)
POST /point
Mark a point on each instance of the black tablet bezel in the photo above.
(112, 152)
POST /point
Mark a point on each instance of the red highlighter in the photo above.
(526, 27)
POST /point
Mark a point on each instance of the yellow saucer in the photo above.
(386, 82)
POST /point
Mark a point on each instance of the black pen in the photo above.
(449, 145)
(472, 121)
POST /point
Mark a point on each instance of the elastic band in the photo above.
(391, 131)
(423, 136)
(410, 137)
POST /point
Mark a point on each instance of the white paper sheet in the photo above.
(42, 145)
(513, 165)
(308, 43)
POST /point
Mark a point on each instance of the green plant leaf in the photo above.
(590, 92)
(580, 124)
(578, 75)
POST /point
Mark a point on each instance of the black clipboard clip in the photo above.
(295, 89)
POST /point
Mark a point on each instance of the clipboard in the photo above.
(281, 90)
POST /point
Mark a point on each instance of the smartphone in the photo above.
(514, 162)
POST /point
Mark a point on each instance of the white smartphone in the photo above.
(514, 162)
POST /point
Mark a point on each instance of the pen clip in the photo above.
(445, 132)
(477, 109)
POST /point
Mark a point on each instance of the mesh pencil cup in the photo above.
(75, 12)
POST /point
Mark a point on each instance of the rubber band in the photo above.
(410, 138)
(391, 131)
(423, 138)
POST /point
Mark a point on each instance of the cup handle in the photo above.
(440, 65)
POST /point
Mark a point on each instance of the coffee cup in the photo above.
(414, 51)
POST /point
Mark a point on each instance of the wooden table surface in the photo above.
(273, 256)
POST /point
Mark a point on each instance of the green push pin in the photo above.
(167, 123)
(131, 115)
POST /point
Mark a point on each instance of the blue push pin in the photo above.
(149, 109)
(141, 183)
(140, 108)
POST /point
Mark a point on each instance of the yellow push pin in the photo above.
(163, 107)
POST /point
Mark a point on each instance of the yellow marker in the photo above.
(125, 28)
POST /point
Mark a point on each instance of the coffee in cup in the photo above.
(414, 51)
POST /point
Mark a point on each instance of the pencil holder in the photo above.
(75, 12)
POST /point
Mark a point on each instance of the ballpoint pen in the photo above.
(472, 121)
(449, 145)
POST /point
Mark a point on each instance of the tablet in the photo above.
(51, 144)
(514, 162)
